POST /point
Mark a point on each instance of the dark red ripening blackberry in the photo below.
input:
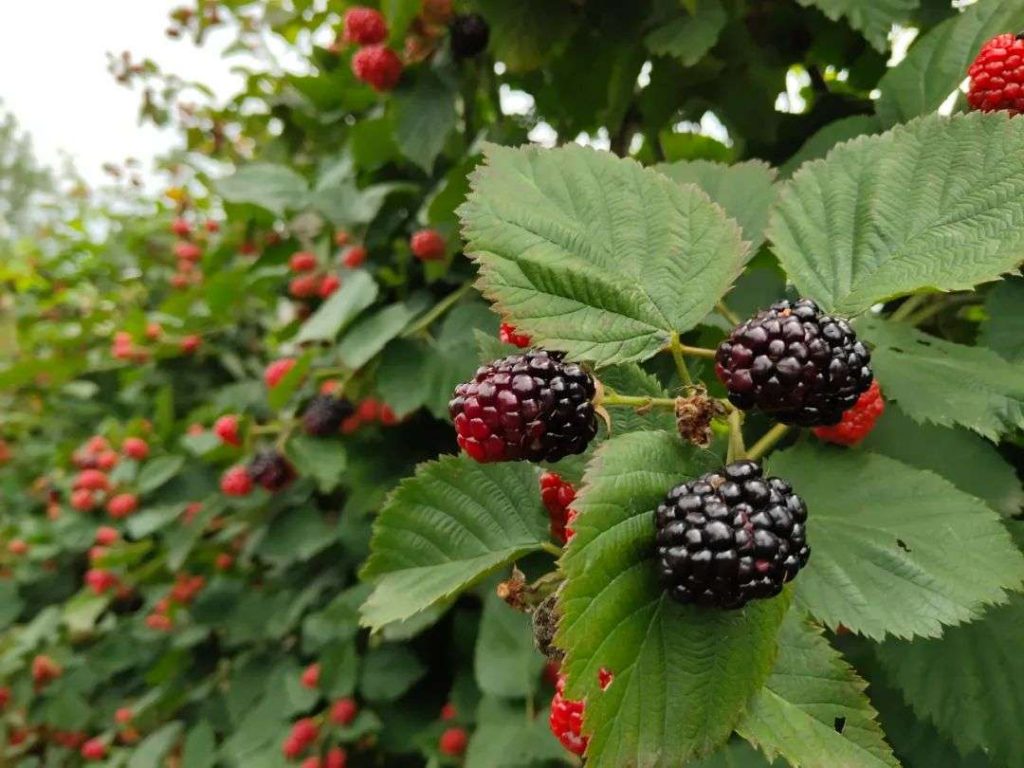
(470, 34)
(324, 414)
(271, 470)
(730, 536)
(796, 363)
(528, 407)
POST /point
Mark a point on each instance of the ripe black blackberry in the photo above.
(324, 414)
(271, 470)
(730, 536)
(528, 407)
(796, 363)
(470, 34)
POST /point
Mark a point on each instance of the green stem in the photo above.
(904, 310)
(727, 313)
(551, 549)
(676, 348)
(637, 401)
(737, 450)
(437, 310)
(707, 354)
(767, 441)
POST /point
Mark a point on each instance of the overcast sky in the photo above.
(53, 75)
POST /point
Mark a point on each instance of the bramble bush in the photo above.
(739, 481)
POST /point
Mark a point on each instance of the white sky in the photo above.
(53, 76)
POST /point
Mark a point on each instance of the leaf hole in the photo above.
(840, 724)
(902, 545)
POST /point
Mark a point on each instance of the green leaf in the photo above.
(158, 471)
(389, 672)
(200, 747)
(322, 459)
(282, 392)
(399, 15)
(899, 551)
(424, 116)
(931, 204)
(345, 205)
(682, 675)
(822, 142)
(506, 664)
(745, 190)
(517, 40)
(445, 529)
(873, 19)
(404, 376)
(81, 612)
(504, 739)
(810, 690)
(1003, 330)
(340, 663)
(967, 682)
(275, 187)
(296, 535)
(968, 461)
(594, 254)
(927, 376)
(937, 62)
(11, 603)
(735, 754)
(357, 292)
(367, 337)
(688, 37)
(152, 750)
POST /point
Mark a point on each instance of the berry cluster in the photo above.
(124, 346)
(92, 486)
(188, 251)
(374, 63)
(307, 732)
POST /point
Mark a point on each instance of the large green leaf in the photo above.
(688, 37)
(322, 459)
(937, 63)
(822, 142)
(368, 337)
(275, 187)
(594, 254)
(812, 710)
(447, 528)
(873, 19)
(745, 190)
(357, 292)
(932, 204)
(1003, 330)
(505, 663)
(894, 550)
(682, 675)
(152, 750)
(424, 116)
(503, 738)
(968, 682)
(967, 460)
(937, 381)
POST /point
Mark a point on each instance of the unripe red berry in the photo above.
(557, 495)
(427, 245)
(188, 252)
(354, 256)
(135, 448)
(311, 762)
(181, 227)
(94, 749)
(448, 712)
(857, 422)
(226, 428)
(344, 711)
(179, 281)
(105, 535)
(100, 581)
(302, 261)
(45, 670)
(336, 758)
(122, 505)
(305, 731)
(18, 547)
(159, 622)
(154, 331)
(5, 697)
(83, 500)
(341, 237)
(996, 78)
(212, 226)
(223, 561)
(236, 482)
(277, 370)
(328, 285)
(292, 748)
(368, 409)
(365, 26)
(566, 720)
(378, 66)
(508, 334)
(453, 742)
(91, 480)
(311, 676)
(124, 715)
(190, 344)
(106, 461)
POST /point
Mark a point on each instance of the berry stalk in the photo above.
(767, 441)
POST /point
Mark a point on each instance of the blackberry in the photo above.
(271, 470)
(324, 414)
(794, 362)
(730, 536)
(470, 35)
(528, 407)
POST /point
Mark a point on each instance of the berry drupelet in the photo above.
(730, 536)
(997, 75)
(528, 407)
(795, 363)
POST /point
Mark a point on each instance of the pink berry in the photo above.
(135, 448)
(427, 245)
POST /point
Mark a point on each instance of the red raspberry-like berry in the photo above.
(181, 227)
(277, 370)
(448, 712)
(344, 711)
(509, 335)
(122, 505)
(105, 535)
(336, 758)
(365, 26)
(223, 561)
(124, 715)
(94, 749)
(378, 66)
(427, 245)
(997, 75)
(17, 547)
(226, 428)
(100, 581)
(190, 344)
(305, 731)
(566, 720)
(91, 480)
(212, 226)
(857, 422)
(341, 238)
(354, 256)
(159, 622)
(328, 285)
(302, 261)
(236, 482)
(557, 495)
(5, 697)
(453, 742)
(311, 762)
(304, 286)
(83, 500)
(188, 252)
(135, 448)
(368, 409)
(106, 461)
(45, 670)
(154, 331)
(292, 748)
(311, 676)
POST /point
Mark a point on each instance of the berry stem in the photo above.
(551, 549)
(437, 310)
(707, 354)
(636, 401)
(904, 310)
(737, 449)
(727, 313)
(677, 354)
(767, 441)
